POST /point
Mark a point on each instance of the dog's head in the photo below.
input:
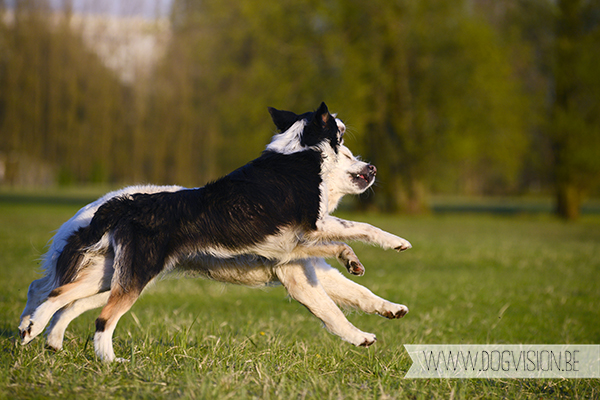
(341, 171)
(304, 131)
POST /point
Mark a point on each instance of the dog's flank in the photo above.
(267, 222)
(224, 219)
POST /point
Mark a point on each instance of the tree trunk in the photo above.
(568, 201)
(568, 33)
(406, 195)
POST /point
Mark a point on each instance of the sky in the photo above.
(123, 8)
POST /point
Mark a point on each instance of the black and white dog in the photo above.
(266, 222)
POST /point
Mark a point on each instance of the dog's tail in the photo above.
(71, 259)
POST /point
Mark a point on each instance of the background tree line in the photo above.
(469, 97)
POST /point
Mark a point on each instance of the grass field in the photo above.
(469, 279)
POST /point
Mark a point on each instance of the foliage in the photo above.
(59, 104)
(575, 131)
(564, 42)
(439, 105)
(444, 97)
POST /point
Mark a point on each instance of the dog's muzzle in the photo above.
(365, 177)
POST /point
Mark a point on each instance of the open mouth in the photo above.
(365, 177)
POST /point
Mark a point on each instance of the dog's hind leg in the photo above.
(302, 284)
(94, 278)
(57, 299)
(62, 319)
(345, 292)
(36, 294)
(119, 302)
(137, 263)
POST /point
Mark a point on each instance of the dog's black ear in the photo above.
(321, 126)
(283, 120)
(322, 115)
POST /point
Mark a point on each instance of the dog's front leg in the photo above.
(301, 282)
(332, 228)
(344, 254)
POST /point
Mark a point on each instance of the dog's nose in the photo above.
(372, 169)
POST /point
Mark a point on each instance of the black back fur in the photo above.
(241, 209)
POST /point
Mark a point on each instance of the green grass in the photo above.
(472, 279)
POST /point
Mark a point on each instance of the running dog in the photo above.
(266, 222)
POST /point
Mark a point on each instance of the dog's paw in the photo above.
(54, 342)
(358, 338)
(394, 311)
(391, 241)
(51, 348)
(349, 260)
(26, 334)
(355, 268)
(402, 244)
(24, 325)
(368, 340)
(34, 330)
